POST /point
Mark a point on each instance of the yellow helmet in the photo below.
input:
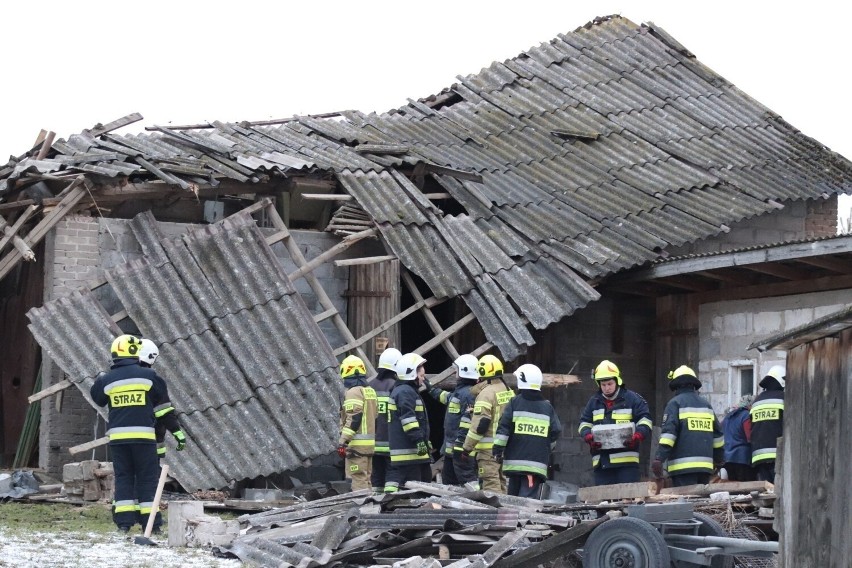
(125, 346)
(607, 370)
(489, 366)
(352, 366)
(681, 371)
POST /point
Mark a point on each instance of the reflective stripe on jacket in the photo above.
(691, 439)
(407, 424)
(382, 383)
(627, 407)
(456, 423)
(131, 392)
(528, 431)
(358, 418)
(767, 425)
(492, 396)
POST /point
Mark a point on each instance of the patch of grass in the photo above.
(43, 517)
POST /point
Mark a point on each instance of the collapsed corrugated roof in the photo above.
(588, 154)
(253, 378)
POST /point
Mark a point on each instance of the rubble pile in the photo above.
(424, 525)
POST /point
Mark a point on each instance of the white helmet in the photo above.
(388, 358)
(466, 367)
(406, 367)
(529, 377)
(148, 353)
(779, 373)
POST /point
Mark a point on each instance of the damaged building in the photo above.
(602, 195)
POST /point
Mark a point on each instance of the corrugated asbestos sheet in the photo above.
(252, 376)
(596, 150)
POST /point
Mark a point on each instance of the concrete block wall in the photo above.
(80, 248)
(797, 220)
(726, 329)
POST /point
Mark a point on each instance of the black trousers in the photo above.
(765, 471)
(613, 475)
(690, 479)
(740, 471)
(137, 470)
(398, 475)
(458, 472)
(523, 485)
(378, 475)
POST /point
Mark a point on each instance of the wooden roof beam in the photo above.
(839, 265)
(779, 271)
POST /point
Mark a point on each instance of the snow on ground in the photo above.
(72, 550)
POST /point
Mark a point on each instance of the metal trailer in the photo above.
(667, 535)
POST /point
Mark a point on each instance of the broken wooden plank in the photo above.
(388, 324)
(431, 320)
(52, 389)
(364, 260)
(46, 224)
(704, 490)
(11, 232)
(616, 492)
(318, 260)
(88, 445)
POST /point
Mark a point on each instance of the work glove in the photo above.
(633, 443)
(422, 448)
(657, 468)
(498, 455)
(341, 451)
(590, 439)
(180, 437)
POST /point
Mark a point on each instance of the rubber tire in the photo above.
(709, 527)
(628, 539)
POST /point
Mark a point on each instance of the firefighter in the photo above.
(456, 423)
(691, 440)
(614, 403)
(736, 427)
(408, 426)
(165, 416)
(131, 392)
(382, 383)
(767, 423)
(526, 435)
(357, 423)
(492, 395)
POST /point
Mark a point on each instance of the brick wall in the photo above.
(821, 220)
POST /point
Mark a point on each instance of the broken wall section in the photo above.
(79, 250)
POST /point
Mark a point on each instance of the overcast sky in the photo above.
(70, 65)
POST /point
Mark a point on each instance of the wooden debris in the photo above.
(616, 492)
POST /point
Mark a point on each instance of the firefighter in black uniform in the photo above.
(382, 383)
(614, 403)
(767, 423)
(408, 426)
(456, 420)
(166, 417)
(691, 440)
(526, 435)
(131, 392)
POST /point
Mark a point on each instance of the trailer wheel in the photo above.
(709, 527)
(626, 542)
